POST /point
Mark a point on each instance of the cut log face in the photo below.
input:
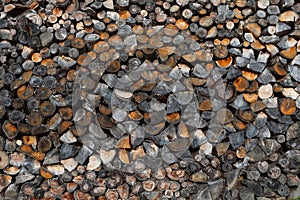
(224, 63)
(288, 106)
(250, 97)
(241, 84)
(265, 91)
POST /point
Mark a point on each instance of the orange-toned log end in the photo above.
(36, 57)
(124, 143)
(238, 124)
(250, 97)
(57, 12)
(64, 126)
(225, 42)
(279, 70)
(29, 140)
(101, 46)
(71, 75)
(84, 59)
(104, 197)
(171, 29)
(289, 53)
(257, 45)
(164, 52)
(104, 36)
(250, 76)
(26, 149)
(138, 29)
(107, 20)
(38, 155)
(123, 156)
(48, 62)
(25, 92)
(224, 63)
(182, 24)
(33, 5)
(241, 84)
(139, 54)
(205, 105)
(125, 14)
(66, 113)
(135, 115)
(277, 88)
(288, 106)
(246, 44)
(10, 129)
(92, 55)
(173, 118)
(44, 173)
